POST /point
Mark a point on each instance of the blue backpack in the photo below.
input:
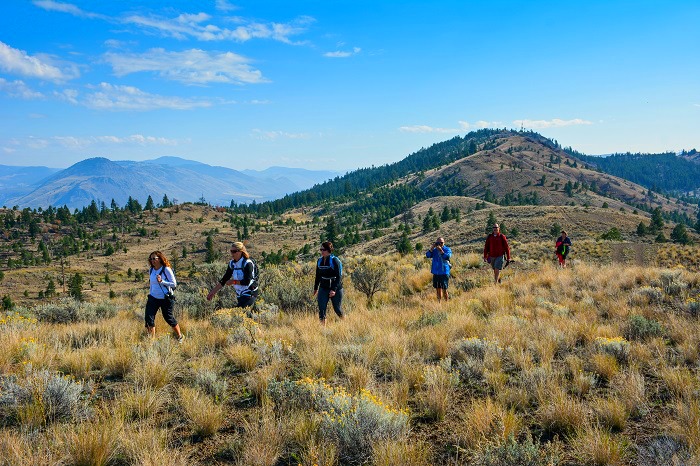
(332, 264)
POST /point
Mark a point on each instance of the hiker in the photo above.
(497, 252)
(242, 273)
(563, 246)
(160, 295)
(440, 267)
(329, 282)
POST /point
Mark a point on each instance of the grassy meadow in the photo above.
(596, 364)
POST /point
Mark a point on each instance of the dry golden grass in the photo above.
(95, 443)
(204, 416)
(528, 356)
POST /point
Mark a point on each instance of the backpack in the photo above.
(332, 264)
(256, 272)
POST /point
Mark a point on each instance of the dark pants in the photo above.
(246, 301)
(323, 302)
(152, 306)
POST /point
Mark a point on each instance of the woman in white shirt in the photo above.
(242, 273)
(162, 281)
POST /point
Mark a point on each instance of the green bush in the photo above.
(511, 452)
(289, 286)
(641, 328)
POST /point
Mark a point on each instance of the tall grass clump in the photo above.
(204, 416)
(511, 452)
(354, 422)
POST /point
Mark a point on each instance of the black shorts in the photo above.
(441, 281)
(152, 306)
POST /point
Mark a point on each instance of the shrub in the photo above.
(511, 452)
(612, 234)
(288, 287)
(436, 391)
(663, 450)
(641, 328)
(429, 319)
(69, 310)
(369, 277)
(672, 283)
(646, 295)
(42, 397)
(617, 347)
(354, 422)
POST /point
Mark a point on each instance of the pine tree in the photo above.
(211, 253)
(657, 220)
(331, 230)
(403, 246)
(149, 203)
(75, 288)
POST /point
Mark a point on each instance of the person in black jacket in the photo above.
(242, 273)
(329, 282)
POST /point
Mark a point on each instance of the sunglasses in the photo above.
(233, 251)
(323, 249)
(154, 258)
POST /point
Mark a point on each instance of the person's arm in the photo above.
(336, 282)
(317, 280)
(505, 243)
(169, 281)
(446, 252)
(429, 253)
(221, 284)
(486, 248)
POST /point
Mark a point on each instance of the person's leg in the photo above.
(436, 285)
(322, 304)
(337, 302)
(150, 315)
(168, 309)
(445, 285)
(246, 301)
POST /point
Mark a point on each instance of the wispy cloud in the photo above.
(225, 5)
(463, 126)
(343, 54)
(69, 8)
(553, 123)
(18, 89)
(15, 61)
(273, 135)
(81, 142)
(107, 96)
(696, 105)
(200, 26)
(190, 66)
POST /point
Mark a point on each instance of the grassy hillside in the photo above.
(590, 365)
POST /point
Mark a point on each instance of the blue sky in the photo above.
(342, 84)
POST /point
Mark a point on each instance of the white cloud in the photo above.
(463, 126)
(18, 89)
(342, 54)
(16, 61)
(75, 142)
(274, 135)
(697, 105)
(199, 26)
(192, 66)
(51, 5)
(112, 97)
(553, 123)
(9, 150)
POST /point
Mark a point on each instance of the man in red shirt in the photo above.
(497, 252)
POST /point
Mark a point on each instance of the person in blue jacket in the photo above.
(440, 267)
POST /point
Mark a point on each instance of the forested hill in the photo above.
(346, 187)
(665, 172)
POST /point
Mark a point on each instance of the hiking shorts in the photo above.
(441, 281)
(497, 262)
(165, 305)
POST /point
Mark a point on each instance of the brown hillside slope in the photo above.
(516, 164)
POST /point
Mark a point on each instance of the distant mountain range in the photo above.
(101, 180)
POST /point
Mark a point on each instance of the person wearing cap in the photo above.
(242, 273)
(497, 252)
(328, 284)
(440, 267)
